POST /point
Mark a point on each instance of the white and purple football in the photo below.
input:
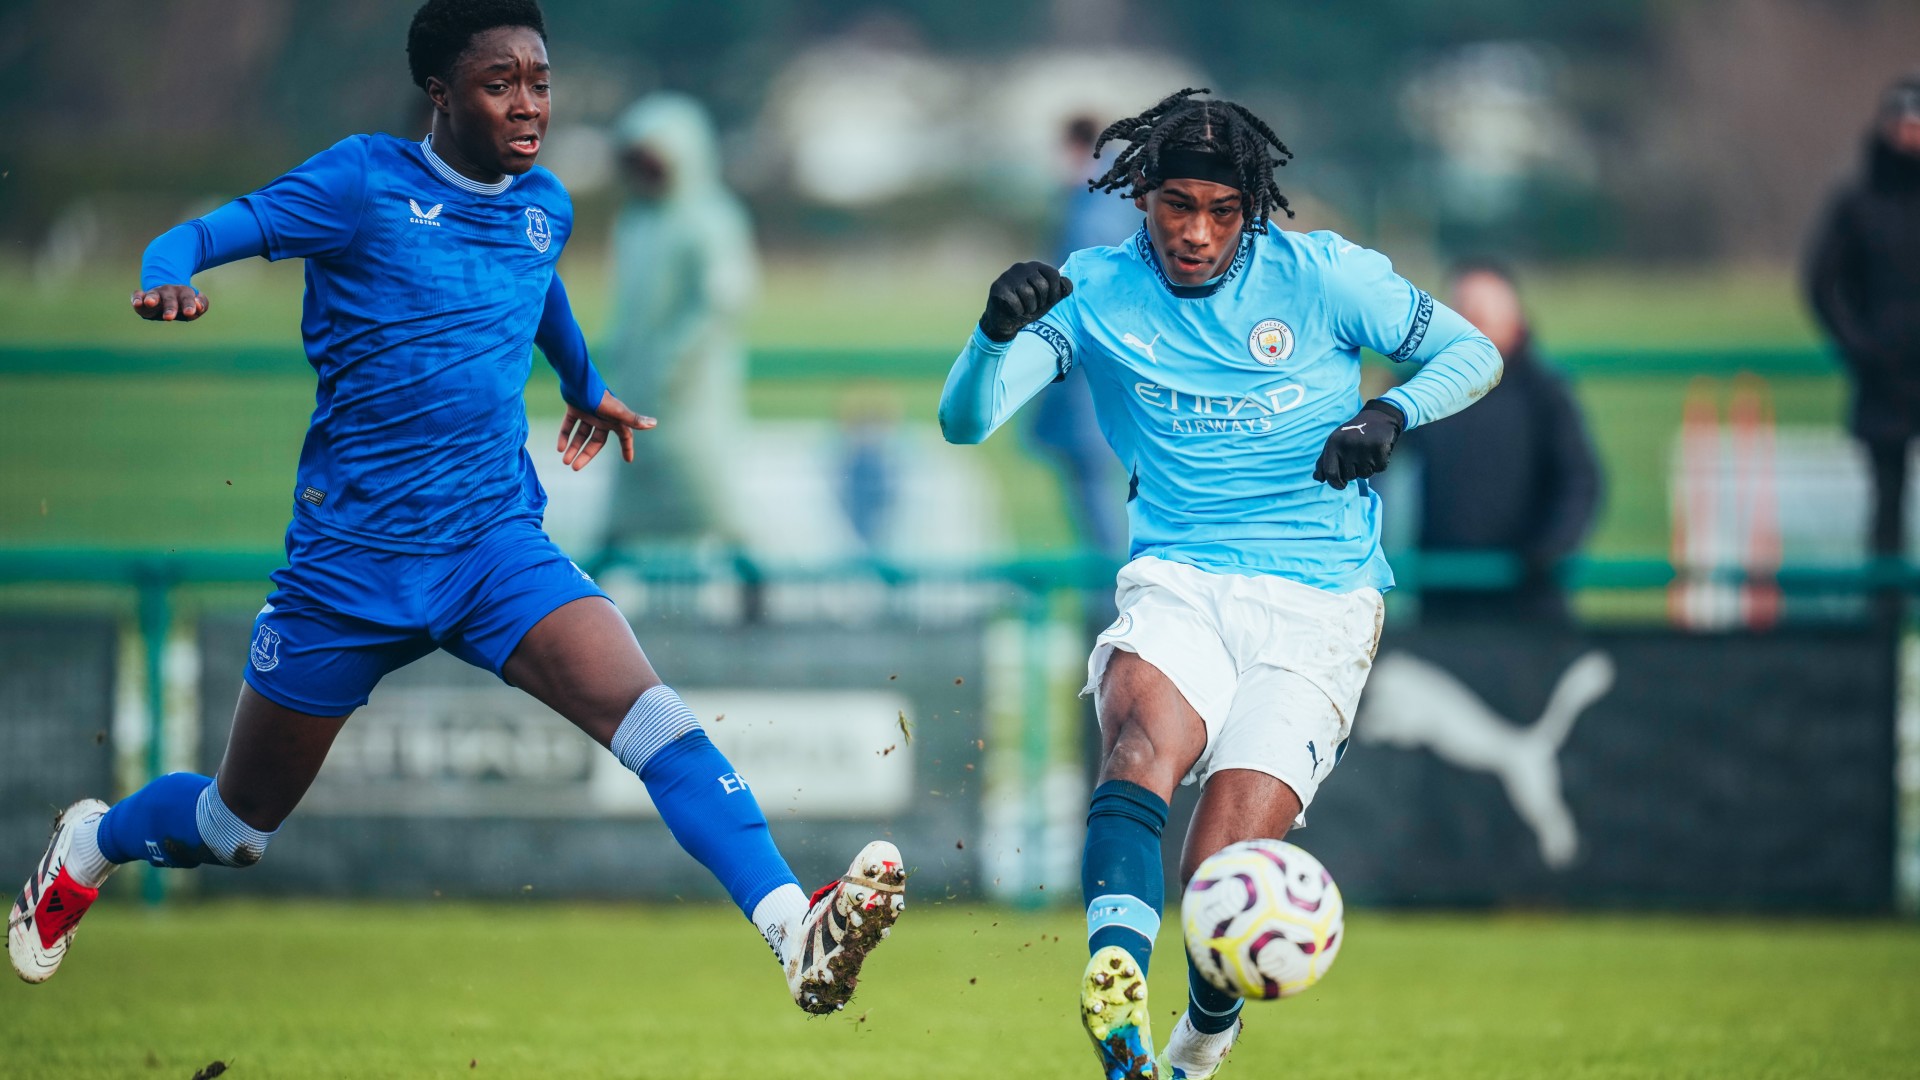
(1263, 919)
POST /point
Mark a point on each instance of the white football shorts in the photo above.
(1273, 667)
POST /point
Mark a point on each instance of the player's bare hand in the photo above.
(1024, 293)
(583, 433)
(169, 303)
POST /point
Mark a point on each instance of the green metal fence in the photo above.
(836, 364)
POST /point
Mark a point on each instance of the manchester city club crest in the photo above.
(1271, 341)
(266, 649)
(538, 230)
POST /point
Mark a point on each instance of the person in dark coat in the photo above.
(1516, 473)
(1863, 278)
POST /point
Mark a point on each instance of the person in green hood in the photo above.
(685, 272)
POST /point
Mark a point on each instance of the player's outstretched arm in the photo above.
(1001, 370)
(166, 292)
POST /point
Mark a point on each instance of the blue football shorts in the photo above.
(342, 615)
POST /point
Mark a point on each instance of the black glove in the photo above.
(1019, 296)
(1360, 447)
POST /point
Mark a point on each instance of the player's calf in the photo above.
(708, 807)
(1124, 888)
(711, 811)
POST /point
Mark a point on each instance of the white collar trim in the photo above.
(464, 183)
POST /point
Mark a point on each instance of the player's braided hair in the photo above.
(1209, 125)
(442, 30)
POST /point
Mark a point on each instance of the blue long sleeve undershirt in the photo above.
(232, 233)
(226, 235)
(565, 347)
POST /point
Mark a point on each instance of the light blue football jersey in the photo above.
(1219, 398)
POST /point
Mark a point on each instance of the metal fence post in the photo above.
(1036, 743)
(155, 585)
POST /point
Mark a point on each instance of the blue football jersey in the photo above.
(423, 292)
(1219, 398)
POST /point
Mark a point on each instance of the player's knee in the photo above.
(1133, 756)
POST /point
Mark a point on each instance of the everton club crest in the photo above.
(539, 232)
(1271, 342)
(266, 649)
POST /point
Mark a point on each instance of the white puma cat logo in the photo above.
(1412, 702)
(1143, 346)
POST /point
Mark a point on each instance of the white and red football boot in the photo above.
(843, 924)
(41, 925)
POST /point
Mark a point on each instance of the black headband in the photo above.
(1182, 164)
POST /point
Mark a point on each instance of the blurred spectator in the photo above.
(1864, 281)
(684, 273)
(1063, 423)
(869, 466)
(1516, 473)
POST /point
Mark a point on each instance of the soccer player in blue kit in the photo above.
(1224, 357)
(417, 514)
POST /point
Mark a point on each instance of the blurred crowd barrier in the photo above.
(1492, 764)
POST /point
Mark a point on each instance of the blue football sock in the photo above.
(158, 823)
(1210, 1008)
(1120, 874)
(705, 803)
(179, 820)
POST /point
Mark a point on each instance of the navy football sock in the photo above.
(1210, 1008)
(704, 802)
(157, 824)
(1120, 874)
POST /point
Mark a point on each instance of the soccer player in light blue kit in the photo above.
(430, 277)
(1224, 357)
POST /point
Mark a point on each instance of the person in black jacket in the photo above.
(1516, 473)
(1863, 278)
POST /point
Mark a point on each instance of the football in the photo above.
(1263, 919)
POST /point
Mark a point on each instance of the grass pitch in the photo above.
(534, 989)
